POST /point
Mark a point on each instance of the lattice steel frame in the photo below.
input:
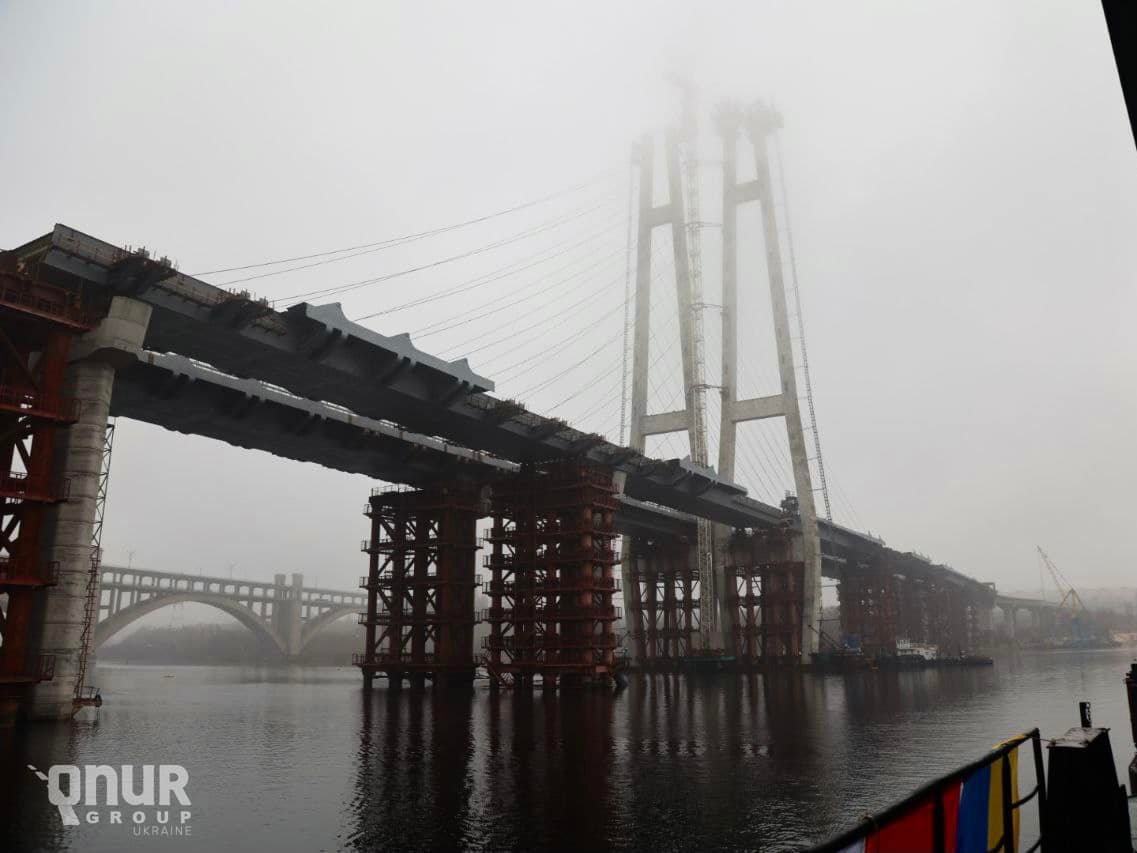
(870, 596)
(767, 596)
(667, 595)
(551, 587)
(38, 323)
(420, 585)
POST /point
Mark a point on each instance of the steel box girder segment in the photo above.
(314, 347)
(172, 392)
(315, 352)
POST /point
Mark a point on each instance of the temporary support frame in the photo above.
(420, 586)
(552, 562)
(38, 324)
(766, 596)
(666, 589)
(871, 599)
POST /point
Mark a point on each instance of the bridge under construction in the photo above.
(584, 534)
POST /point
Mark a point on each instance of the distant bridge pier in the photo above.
(869, 595)
(914, 616)
(66, 540)
(955, 618)
(285, 619)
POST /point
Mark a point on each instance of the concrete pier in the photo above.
(286, 619)
(115, 342)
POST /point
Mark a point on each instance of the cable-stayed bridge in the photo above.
(97, 331)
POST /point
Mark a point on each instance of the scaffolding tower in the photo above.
(551, 576)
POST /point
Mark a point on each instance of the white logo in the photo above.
(148, 790)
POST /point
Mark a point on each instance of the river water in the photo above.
(298, 759)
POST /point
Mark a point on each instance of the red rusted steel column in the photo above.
(500, 594)
(366, 661)
(423, 518)
(37, 325)
(454, 594)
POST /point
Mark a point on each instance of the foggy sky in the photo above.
(961, 179)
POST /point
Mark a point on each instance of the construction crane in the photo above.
(1071, 604)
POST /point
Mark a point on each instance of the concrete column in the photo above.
(728, 429)
(279, 604)
(762, 123)
(285, 619)
(725, 588)
(113, 344)
(642, 329)
(295, 622)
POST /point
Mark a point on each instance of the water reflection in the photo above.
(304, 761)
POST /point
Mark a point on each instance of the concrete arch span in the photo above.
(314, 627)
(112, 625)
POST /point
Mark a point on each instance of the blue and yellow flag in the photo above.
(980, 825)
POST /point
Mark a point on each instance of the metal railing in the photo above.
(32, 401)
(17, 485)
(936, 791)
(42, 299)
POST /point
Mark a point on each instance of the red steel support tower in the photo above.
(552, 581)
(37, 323)
(954, 622)
(769, 595)
(870, 595)
(912, 623)
(667, 591)
(420, 586)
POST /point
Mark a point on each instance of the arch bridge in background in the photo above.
(287, 616)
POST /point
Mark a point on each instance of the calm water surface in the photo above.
(299, 759)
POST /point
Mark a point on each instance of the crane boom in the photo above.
(1070, 599)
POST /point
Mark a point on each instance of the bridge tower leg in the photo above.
(67, 537)
(692, 417)
(760, 123)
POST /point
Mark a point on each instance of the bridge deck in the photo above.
(341, 387)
